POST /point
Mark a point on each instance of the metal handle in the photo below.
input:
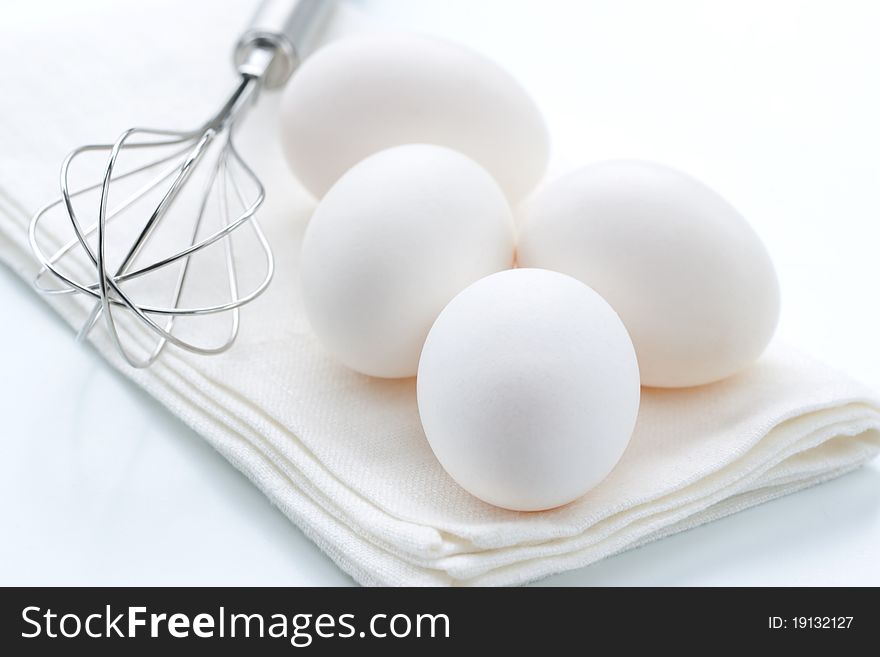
(278, 36)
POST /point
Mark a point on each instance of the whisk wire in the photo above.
(104, 281)
(266, 54)
(107, 290)
(71, 285)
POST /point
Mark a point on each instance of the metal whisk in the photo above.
(230, 193)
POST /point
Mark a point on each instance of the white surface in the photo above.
(770, 103)
(688, 276)
(392, 242)
(528, 389)
(362, 95)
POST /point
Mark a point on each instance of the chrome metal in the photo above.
(284, 27)
(230, 184)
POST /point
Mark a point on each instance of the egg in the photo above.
(528, 389)
(691, 280)
(389, 245)
(364, 94)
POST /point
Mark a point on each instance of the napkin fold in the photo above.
(344, 455)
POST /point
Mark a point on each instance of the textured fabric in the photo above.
(344, 455)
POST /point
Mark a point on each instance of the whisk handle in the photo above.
(281, 30)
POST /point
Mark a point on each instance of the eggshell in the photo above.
(360, 95)
(528, 389)
(390, 244)
(691, 280)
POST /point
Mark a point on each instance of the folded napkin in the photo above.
(343, 455)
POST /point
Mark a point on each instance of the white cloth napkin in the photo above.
(344, 455)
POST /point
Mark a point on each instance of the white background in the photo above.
(775, 104)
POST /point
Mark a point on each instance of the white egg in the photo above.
(360, 95)
(528, 389)
(390, 244)
(691, 280)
